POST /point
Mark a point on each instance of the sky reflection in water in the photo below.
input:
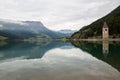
(61, 62)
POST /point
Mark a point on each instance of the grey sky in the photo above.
(57, 14)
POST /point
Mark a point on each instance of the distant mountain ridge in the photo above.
(67, 32)
(95, 29)
(25, 29)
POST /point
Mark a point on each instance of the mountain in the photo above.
(25, 29)
(95, 29)
(67, 32)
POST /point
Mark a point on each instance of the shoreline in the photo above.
(95, 40)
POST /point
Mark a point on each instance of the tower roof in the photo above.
(105, 25)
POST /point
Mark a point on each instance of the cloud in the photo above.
(57, 14)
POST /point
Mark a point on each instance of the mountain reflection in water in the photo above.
(60, 61)
(106, 51)
(28, 50)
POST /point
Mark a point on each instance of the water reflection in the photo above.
(58, 61)
(25, 50)
(105, 51)
(105, 48)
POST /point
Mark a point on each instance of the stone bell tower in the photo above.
(105, 31)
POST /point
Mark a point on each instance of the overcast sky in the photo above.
(57, 14)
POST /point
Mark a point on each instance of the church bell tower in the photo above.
(105, 31)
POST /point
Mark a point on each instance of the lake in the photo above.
(60, 61)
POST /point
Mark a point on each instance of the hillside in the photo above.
(25, 29)
(95, 29)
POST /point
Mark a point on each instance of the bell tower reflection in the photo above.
(105, 48)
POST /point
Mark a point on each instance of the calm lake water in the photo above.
(60, 61)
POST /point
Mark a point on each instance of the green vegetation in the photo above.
(64, 39)
(3, 43)
(38, 39)
(95, 29)
(2, 38)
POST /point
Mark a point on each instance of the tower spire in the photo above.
(105, 25)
